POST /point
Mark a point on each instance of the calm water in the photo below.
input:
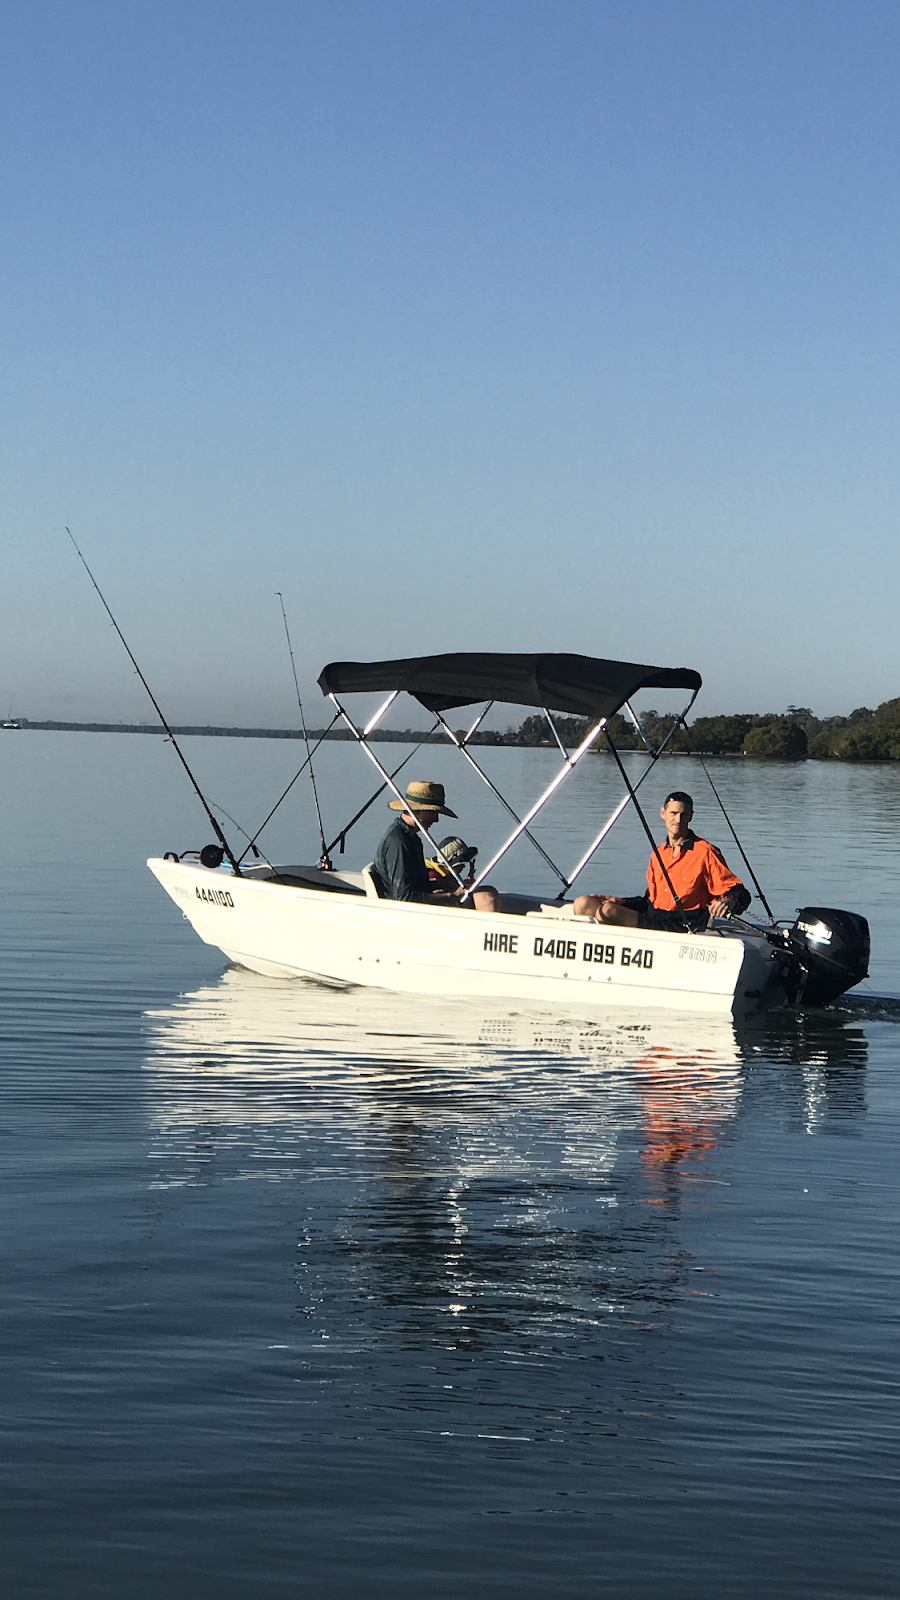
(345, 1294)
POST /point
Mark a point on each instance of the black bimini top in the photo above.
(583, 686)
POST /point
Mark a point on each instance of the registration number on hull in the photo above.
(215, 897)
(567, 950)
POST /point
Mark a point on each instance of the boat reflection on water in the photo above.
(462, 1169)
(816, 1062)
(255, 1051)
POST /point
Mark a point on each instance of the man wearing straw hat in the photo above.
(399, 868)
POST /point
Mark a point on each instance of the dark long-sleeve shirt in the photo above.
(399, 867)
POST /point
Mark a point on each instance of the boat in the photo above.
(311, 920)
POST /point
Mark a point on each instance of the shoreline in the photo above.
(207, 731)
(497, 739)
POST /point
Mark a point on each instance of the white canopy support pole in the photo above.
(555, 732)
(480, 718)
(374, 721)
(495, 791)
(570, 763)
(361, 740)
(638, 728)
(610, 822)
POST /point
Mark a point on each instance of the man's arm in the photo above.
(634, 902)
(397, 865)
(728, 896)
(730, 904)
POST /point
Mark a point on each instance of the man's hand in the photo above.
(720, 907)
(461, 888)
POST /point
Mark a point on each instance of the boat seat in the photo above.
(369, 881)
(315, 880)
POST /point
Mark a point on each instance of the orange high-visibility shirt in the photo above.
(699, 874)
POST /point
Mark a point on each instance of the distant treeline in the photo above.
(207, 731)
(792, 735)
(865, 735)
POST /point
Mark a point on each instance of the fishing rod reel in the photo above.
(212, 855)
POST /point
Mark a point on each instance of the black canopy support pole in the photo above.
(646, 827)
(608, 824)
(734, 836)
(283, 796)
(235, 867)
(363, 742)
(460, 745)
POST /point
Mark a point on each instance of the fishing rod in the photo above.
(734, 836)
(234, 821)
(175, 745)
(285, 792)
(325, 862)
(646, 827)
(341, 838)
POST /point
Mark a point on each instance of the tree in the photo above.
(720, 736)
(781, 737)
(875, 737)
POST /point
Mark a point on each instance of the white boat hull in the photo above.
(546, 956)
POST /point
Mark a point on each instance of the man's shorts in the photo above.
(673, 921)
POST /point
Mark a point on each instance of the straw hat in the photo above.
(423, 796)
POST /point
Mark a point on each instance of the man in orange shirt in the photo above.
(697, 871)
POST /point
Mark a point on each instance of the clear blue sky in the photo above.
(498, 324)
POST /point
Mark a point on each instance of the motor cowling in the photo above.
(831, 949)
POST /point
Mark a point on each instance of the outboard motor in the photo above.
(832, 950)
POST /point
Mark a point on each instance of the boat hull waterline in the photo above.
(547, 956)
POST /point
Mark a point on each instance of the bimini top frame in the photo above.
(577, 685)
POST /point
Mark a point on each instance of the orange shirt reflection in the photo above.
(686, 1100)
